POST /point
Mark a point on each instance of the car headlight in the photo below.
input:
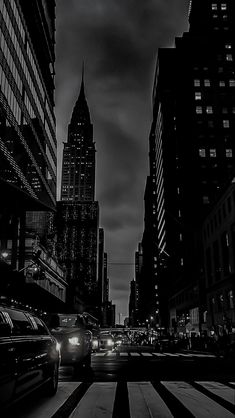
(109, 342)
(57, 347)
(74, 341)
(95, 343)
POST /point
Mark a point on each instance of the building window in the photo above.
(199, 109)
(229, 57)
(231, 83)
(213, 152)
(226, 123)
(205, 200)
(197, 83)
(202, 152)
(198, 95)
(209, 109)
(207, 83)
(223, 6)
(214, 6)
(222, 83)
(229, 153)
(230, 300)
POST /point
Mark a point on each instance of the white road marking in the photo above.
(171, 354)
(159, 354)
(135, 354)
(196, 402)
(146, 354)
(99, 354)
(145, 402)
(184, 355)
(221, 390)
(123, 354)
(110, 353)
(97, 402)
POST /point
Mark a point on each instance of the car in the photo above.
(29, 355)
(75, 340)
(106, 340)
(166, 344)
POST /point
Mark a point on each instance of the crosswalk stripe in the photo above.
(99, 354)
(146, 354)
(171, 354)
(124, 354)
(184, 355)
(110, 353)
(197, 403)
(135, 354)
(97, 402)
(145, 402)
(220, 390)
(159, 354)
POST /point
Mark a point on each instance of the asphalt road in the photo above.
(140, 383)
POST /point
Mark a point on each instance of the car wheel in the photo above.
(52, 385)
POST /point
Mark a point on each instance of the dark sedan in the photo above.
(29, 355)
(74, 338)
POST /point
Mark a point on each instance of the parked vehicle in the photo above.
(29, 355)
(106, 340)
(74, 338)
(166, 344)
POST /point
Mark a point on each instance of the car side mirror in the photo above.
(5, 330)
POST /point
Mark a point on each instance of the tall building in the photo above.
(27, 124)
(78, 213)
(192, 153)
(78, 169)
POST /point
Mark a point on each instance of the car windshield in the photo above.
(68, 321)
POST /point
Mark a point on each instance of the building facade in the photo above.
(219, 249)
(27, 125)
(192, 154)
(78, 214)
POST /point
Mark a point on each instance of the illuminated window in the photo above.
(231, 83)
(226, 123)
(209, 109)
(222, 83)
(214, 6)
(197, 83)
(229, 57)
(198, 109)
(228, 46)
(207, 83)
(202, 152)
(213, 152)
(229, 153)
(223, 6)
(198, 95)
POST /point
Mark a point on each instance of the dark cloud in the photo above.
(118, 39)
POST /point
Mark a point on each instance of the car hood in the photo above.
(63, 331)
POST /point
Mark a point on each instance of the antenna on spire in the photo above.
(83, 69)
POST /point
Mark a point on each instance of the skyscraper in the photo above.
(27, 120)
(192, 152)
(78, 212)
(78, 170)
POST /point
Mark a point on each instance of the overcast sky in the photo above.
(118, 40)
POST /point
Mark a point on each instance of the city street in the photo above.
(138, 382)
